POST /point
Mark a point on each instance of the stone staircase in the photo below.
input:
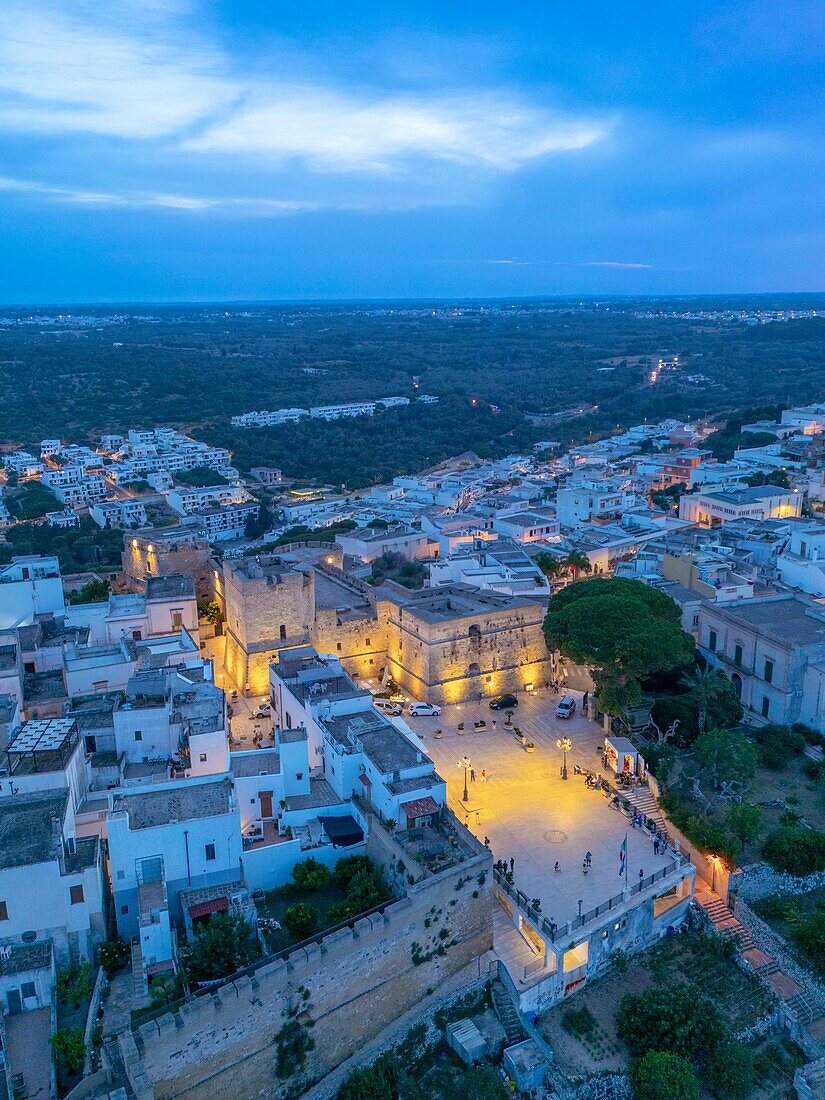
(646, 804)
(141, 986)
(803, 1008)
(506, 1012)
(723, 920)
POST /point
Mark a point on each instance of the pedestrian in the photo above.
(584, 866)
(557, 867)
(486, 842)
(641, 874)
(512, 864)
(656, 846)
(472, 775)
(483, 775)
(588, 859)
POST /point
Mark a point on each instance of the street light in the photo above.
(564, 743)
(465, 764)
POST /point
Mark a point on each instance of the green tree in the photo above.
(301, 920)
(69, 1050)
(577, 563)
(714, 697)
(550, 565)
(224, 944)
(744, 821)
(727, 756)
(795, 849)
(809, 937)
(624, 630)
(659, 1074)
(309, 874)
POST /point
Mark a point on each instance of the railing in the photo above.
(560, 931)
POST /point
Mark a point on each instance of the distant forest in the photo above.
(489, 363)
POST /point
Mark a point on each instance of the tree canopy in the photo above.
(625, 630)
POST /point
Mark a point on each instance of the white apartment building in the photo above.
(801, 564)
(269, 418)
(527, 526)
(119, 513)
(760, 502)
(591, 499)
(338, 412)
(191, 500)
(227, 522)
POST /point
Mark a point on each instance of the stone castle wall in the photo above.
(349, 986)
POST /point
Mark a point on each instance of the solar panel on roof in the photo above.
(42, 735)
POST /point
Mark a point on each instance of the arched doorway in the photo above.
(736, 680)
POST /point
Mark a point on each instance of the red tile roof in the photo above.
(420, 807)
(205, 908)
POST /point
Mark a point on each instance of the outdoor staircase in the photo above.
(803, 1008)
(506, 1012)
(724, 922)
(141, 986)
(647, 805)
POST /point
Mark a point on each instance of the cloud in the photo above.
(617, 263)
(137, 74)
(331, 130)
(63, 73)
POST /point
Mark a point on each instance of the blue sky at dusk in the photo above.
(174, 149)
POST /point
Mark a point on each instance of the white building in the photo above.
(338, 412)
(126, 512)
(192, 500)
(29, 586)
(760, 502)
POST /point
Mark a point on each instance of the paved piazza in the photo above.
(528, 811)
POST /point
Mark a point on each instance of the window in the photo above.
(401, 646)
(177, 620)
(288, 721)
(124, 909)
(737, 654)
(282, 632)
(210, 851)
(768, 671)
(766, 706)
(367, 641)
(136, 635)
(76, 895)
(712, 640)
(202, 758)
(338, 646)
(371, 661)
(4, 910)
(28, 990)
(121, 874)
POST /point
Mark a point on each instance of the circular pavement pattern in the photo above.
(555, 836)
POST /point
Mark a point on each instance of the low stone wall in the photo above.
(769, 941)
(760, 880)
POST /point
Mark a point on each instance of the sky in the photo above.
(177, 150)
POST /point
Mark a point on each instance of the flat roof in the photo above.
(382, 743)
(186, 801)
(27, 831)
(43, 735)
(455, 601)
(789, 618)
(172, 586)
(255, 762)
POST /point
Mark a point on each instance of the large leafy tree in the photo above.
(727, 756)
(661, 1073)
(714, 698)
(624, 630)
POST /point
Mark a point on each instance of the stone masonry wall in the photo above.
(350, 985)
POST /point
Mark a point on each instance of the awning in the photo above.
(342, 831)
(365, 780)
(206, 908)
(420, 807)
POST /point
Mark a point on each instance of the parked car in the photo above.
(263, 711)
(424, 710)
(566, 707)
(387, 706)
(504, 702)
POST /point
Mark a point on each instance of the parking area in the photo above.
(529, 813)
(246, 730)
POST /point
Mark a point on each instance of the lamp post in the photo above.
(465, 764)
(564, 743)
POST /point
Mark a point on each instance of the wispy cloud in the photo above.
(616, 263)
(136, 74)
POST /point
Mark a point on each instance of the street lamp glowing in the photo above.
(564, 744)
(465, 764)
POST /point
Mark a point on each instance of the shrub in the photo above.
(300, 920)
(661, 1074)
(814, 769)
(113, 955)
(292, 1044)
(309, 874)
(777, 744)
(224, 944)
(578, 1021)
(670, 708)
(348, 867)
(809, 937)
(795, 849)
(74, 984)
(69, 1050)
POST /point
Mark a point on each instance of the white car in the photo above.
(424, 710)
(387, 706)
(263, 711)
